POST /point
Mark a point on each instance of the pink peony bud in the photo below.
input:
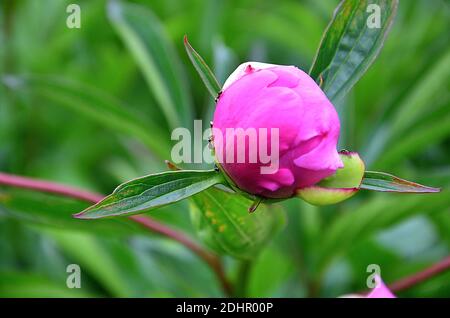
(268, 96)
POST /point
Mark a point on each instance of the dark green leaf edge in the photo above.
(110, 206)
(207, 76)
(385, 182)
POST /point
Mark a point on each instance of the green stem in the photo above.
(243, 277)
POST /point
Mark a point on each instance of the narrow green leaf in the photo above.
(146, 40)
(91, 103)
(224, 63)
(149, 192)
(203, 69)
(424, 134)
(410, 124)
(264, 281)
(416, 104)
(384, 182)
(351, 43)
(225, 225)
(112, 264)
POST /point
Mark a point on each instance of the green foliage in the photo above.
(377, 214)
(55, 211)
(151, 192)
(34, 286)
(93, 107)
(224, 224)
(91, 103)
(147, 42)
(385, 182)
(350, 44)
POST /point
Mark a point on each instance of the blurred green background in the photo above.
(77, 108)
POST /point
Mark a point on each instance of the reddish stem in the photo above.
(212, 260)
(419, 277)
(50, 187)
(44, 186)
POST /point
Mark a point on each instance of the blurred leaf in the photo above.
(389, 144)
(273, 24)
(359, 223)
(202, 69)
(417, 101)
(414, 238)
(441, 220)
(225, 225)
(385, 182)
(270, 271)
(349, 45)
(146, 40)
(57, 211)
(174, 268)
(30, 285)
(37, 253)
(111, 263)
(150, 192)
(424, 134)
(225, 60)
(91, 103)
(139, 266)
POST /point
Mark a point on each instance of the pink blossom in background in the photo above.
(381, 290)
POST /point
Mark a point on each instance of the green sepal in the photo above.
(338, 187)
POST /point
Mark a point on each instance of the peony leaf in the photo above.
(384, 182)
(147, 42)
(351, 43)
(225, 225)
(153, 191)
(202, 69)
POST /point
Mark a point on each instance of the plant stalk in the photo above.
(243, 276)
(212, 260)
(421, 276)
